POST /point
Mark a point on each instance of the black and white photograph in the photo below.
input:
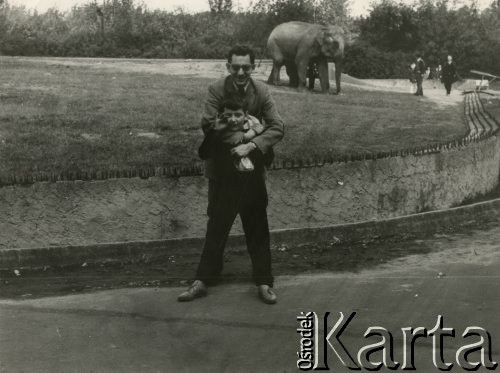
(249, 186)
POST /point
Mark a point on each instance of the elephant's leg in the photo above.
(274, 77)
(270, 80)
(311, 75)
(323, 75)
(277, 69)
(338, 74)
(291, 70)
(278, 59)
(295, 77)
(301, 73)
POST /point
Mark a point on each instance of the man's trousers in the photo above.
(447, 86)
(420, 91)
(244, 194)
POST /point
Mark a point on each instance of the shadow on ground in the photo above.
(177, 269)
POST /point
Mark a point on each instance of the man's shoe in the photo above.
(266, 294)
(196, 290)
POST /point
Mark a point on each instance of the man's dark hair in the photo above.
(234, 104)
(241, 50)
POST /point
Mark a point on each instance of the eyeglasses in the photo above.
(245, 68)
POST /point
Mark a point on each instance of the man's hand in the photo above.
(256, 128)
(243, 150)
(255, 125)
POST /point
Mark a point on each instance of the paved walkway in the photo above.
(146, 330)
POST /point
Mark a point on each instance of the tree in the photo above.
(220, 6)
(490, 19)
(391, 27)
(281, 11)
(434, 29)
(332, 12)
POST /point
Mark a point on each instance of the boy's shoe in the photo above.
(266, 294)
(196, 290)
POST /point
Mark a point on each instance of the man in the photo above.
(449, 74)
(312, 74)
(420, 75)
(230, 192)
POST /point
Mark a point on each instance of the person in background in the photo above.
(449, 75)
(412, 76)
(428, 74)
(436, 76)
(420, 73)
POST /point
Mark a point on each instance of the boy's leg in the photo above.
(222, 210)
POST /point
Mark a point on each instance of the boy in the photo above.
(233, 126)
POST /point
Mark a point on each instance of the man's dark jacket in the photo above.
(421, 67)
(449, 73)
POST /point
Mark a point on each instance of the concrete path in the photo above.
(146, 330)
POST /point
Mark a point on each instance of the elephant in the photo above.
(299, 46)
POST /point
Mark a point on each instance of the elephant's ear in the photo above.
(321, 37)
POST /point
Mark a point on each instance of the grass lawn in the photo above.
(58, 118)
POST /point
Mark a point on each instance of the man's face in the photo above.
(240, 69)
(450, 58)
(234, 117)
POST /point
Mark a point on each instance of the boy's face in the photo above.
(234, 117)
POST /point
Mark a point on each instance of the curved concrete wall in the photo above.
(76, 213)
(388, 187)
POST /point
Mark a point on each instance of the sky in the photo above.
(357, 7)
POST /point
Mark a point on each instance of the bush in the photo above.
(364, 61)
(388, 37)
